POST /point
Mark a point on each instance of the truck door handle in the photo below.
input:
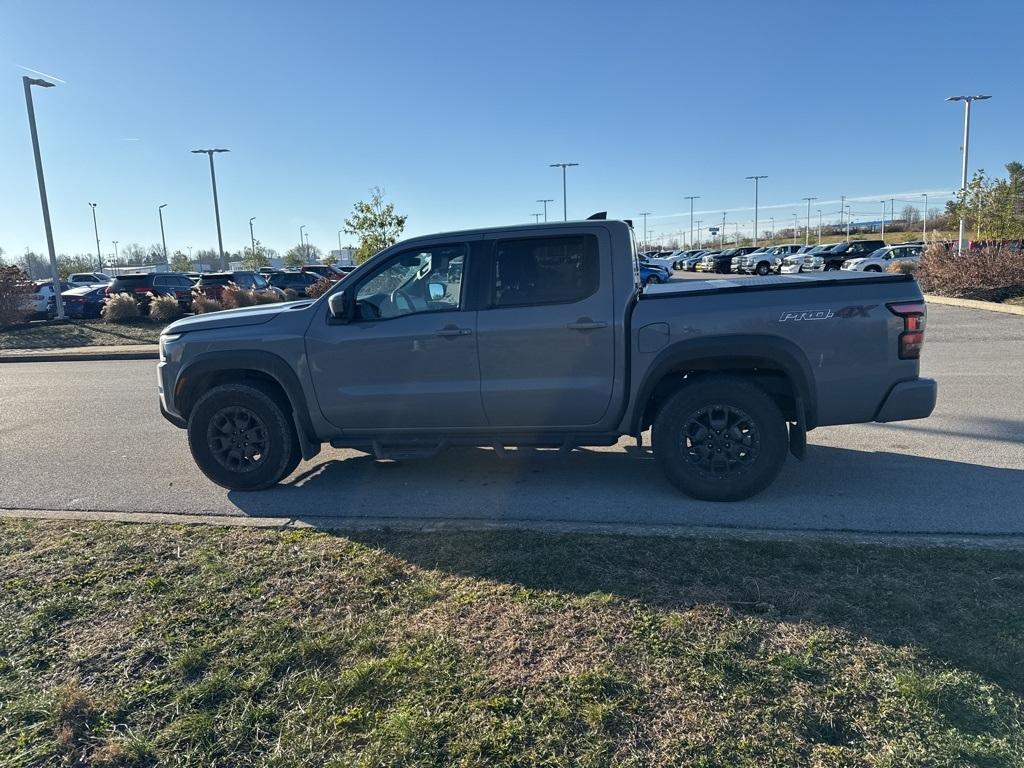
(586, 324)
(451, 331)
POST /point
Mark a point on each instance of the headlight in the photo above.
(165, 340)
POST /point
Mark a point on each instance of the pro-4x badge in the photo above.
(806, 314)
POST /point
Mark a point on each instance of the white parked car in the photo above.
(665, 262)
(809, 261)
(880, 260)
(82, 279)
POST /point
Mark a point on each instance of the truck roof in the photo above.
(553, 225)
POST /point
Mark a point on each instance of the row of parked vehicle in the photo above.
(858, 255)
(83, 293)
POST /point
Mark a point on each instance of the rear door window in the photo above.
(544, 270)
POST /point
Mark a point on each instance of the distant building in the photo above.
(344, 257)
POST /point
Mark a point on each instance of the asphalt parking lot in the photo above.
(88, 436)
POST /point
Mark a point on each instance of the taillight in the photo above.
(910, 341)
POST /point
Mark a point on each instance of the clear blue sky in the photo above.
(456, 109)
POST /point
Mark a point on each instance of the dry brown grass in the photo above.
(988, 274)
(233, 296)
(164, 309)
(201, 304)
(120, 308)
(319, 288)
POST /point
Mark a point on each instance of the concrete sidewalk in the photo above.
(68, 354)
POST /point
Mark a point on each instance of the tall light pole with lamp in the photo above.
(807, 231)
(565, 205)
(967, 100)
(28, 82)
(546, 201)
(252, 237)
(302, 243)
(645, 214)
(924, 219)
(216, 204)
(756, 180)
(691, 198)
(163, 239)
(96, 232)
(115, 254)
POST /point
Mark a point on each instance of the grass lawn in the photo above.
(126, 645)
(80, 333)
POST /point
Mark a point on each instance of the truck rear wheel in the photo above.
(241, 438)
(720, 439)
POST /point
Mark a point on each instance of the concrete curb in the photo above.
(70, 354)
(356, 524)
(991, 306)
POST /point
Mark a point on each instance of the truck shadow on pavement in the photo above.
(835, 489)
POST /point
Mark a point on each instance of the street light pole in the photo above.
(924, 220)
(807, 231)
(565, 205)
(842, 214)
(756, 180)
(645, 214)
(252, 238)
(216, 204)
(691, 198)
(302, 243)
(163, 239)
(883, 220)
(28, 82)
(963, 168)
(536, 217)
(115, 254)
(723, 230)
(546, 201)
(96, 231)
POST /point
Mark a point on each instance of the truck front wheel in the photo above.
(720, 439)
(241, 438)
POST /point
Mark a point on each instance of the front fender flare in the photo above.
(266, 363)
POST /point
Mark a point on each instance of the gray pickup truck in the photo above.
(544, 336)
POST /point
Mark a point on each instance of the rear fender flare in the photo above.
(745, 351)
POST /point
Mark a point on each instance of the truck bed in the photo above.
(727, 284)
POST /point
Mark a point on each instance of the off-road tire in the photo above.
(228, 424)
(739, 460)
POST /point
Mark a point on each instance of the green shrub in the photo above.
(16, 291)
(164, 309)
(120, 308)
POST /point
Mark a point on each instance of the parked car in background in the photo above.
(680, 257)
(297, 281)
(721, 262)
(762, 261)
(652, 274)
(689, 264)
(329, 271)
(880, 260)
(78, 279)
(40, 302)
(85, 301)
(852, 249)
(664, 259)
(211, 284)
(806, 259)
(142, 285)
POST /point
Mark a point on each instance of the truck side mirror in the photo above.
(437, 291)
(340, 306)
